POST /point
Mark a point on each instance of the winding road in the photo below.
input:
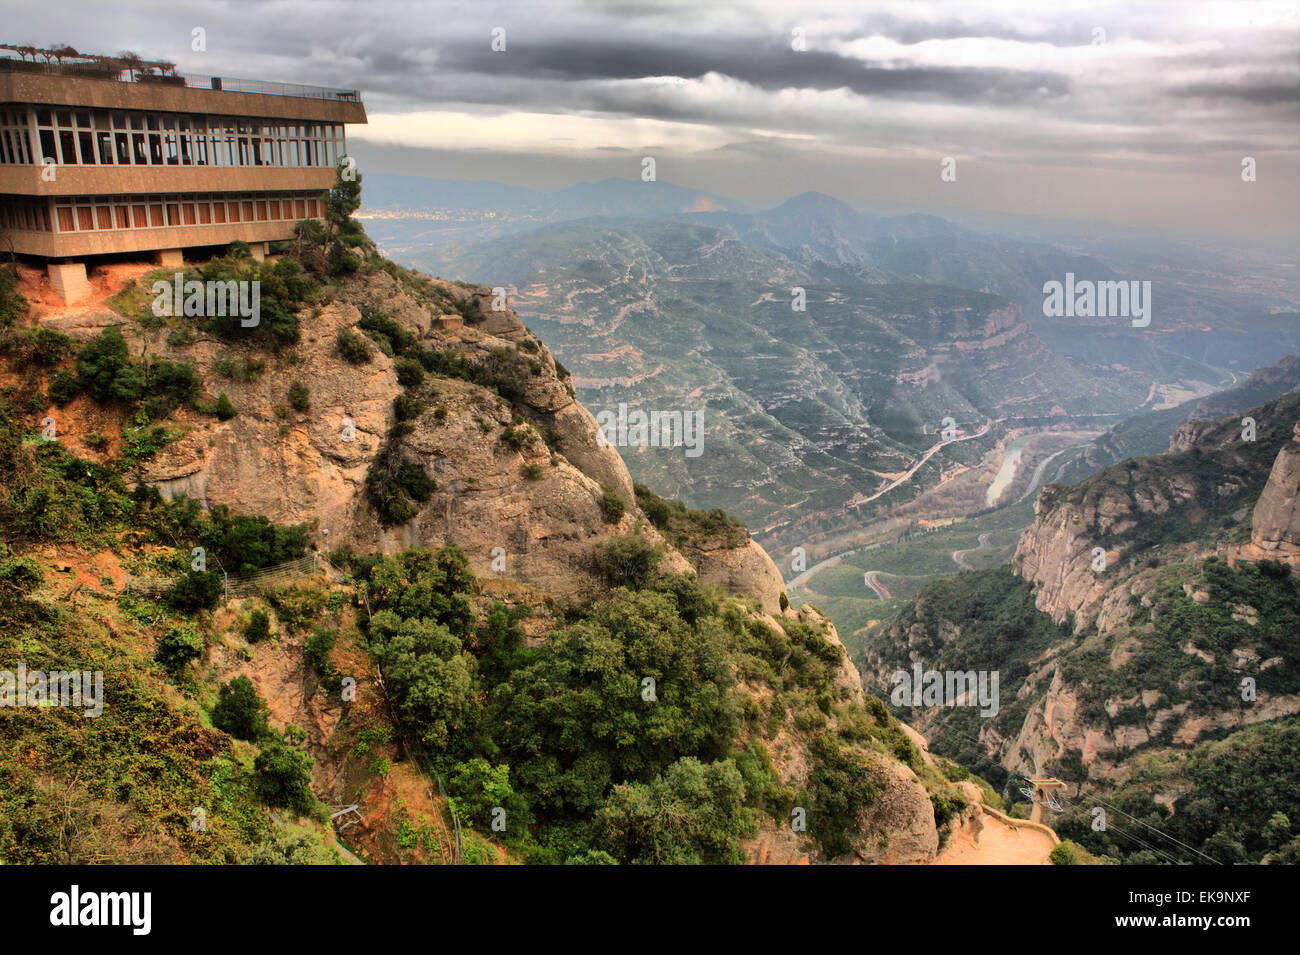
(959, 556)
(907, 475)
(869, 578)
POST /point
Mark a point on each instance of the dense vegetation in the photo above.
(1223, 813)
(596, 743)
(687, 527)
(121, 786)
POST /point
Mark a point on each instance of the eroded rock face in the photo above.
(1059, 554)
(1275, 522)
(296, 467)
(745, 570)
(897, 828)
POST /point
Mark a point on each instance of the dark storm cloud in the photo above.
(765, 64)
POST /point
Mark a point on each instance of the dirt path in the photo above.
(998, 844)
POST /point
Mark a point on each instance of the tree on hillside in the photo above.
(328, 246)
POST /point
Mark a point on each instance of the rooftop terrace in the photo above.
(130, 69)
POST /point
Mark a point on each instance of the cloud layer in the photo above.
(1062, 108)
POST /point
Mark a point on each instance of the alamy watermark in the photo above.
(946, 688)
(1088, 299)
(130, 909)
(211, 299)
(655, 429)
(82, 689)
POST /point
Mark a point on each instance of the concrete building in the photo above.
(101, 155)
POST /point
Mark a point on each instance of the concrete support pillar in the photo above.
(170, 258)
(1044, 795)
(69, 281)
(259, 251)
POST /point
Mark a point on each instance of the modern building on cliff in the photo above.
(110, 155)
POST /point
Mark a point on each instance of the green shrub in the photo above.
(629, 561)
(317, 650)
(239, 710)
(1071, 853)
(48, 347)
(177, 648)
(105, 369)
(692, 814)
(611, 506)
(387, 333)
(196, 590)
(64, 386)
(395, 484)
(247, 543)
(842, 785)
(224, 409)
(531, 472)
(352, 348)
(687, 527)
(259, 626)
(516, 438)
(478, 788)
(299, 398)
(410, 373)
(406, 408)
(13, 306)
(946, 806)
(283, 776)
(292, 845)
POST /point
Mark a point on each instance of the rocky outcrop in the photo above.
(897, 828)
(1275, 522)
(1085, 540)
(746, 570)
(517, 481)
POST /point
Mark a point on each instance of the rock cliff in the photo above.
(1086, 539)
(516, 478)
(302, 466)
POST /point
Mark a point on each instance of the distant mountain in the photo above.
(807, 411)
(1210, 311)
(656, 294)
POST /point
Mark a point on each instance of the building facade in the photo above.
(97, 161)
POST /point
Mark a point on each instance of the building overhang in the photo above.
(77, 245)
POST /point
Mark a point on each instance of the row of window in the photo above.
(109, 213)
(25, 215)
(101, 138)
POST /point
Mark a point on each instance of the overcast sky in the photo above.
(1124, 112)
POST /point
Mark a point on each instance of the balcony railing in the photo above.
(193, 81)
